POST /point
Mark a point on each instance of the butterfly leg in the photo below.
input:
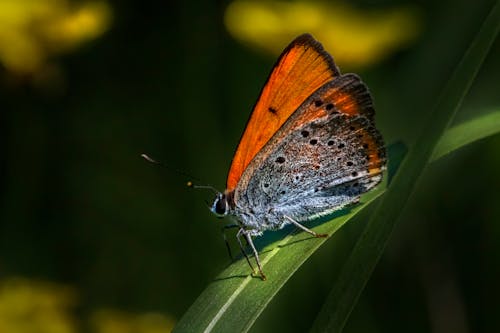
(242, 248)
(248, 238)
(300, 226)
(223, 230)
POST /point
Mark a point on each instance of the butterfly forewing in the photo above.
(302, 68)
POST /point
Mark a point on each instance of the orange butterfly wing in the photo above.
(303, 67)
(349, 96)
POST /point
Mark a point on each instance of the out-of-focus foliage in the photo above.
(356, 37)
(31, 31)
(30, 306)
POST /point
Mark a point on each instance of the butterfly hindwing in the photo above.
(325, 156)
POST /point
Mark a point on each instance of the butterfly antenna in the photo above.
(153, 161)
(207, 187)
(149, 159)
(189, 183)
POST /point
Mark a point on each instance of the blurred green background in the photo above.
(95, 239)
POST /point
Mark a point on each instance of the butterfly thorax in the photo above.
(224, 205)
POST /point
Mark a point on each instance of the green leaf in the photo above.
(370, 246)
(467, 132)
(235, 299)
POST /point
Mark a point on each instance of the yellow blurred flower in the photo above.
(113, 321)
(355, 37)
(28, 306)
(31, 306)
(33, 30)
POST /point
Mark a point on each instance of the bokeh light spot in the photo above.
(31, 31)
(354, 36)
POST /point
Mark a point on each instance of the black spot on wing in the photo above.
(280, 159)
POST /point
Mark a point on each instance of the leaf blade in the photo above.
(466, 133)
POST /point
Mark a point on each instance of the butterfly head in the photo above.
(220, 206)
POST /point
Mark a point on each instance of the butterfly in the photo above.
(309, 148)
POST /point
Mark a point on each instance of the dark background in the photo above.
(80, 209)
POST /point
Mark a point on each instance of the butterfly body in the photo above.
(294, 165)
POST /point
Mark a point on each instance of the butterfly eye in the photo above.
(220, 205)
